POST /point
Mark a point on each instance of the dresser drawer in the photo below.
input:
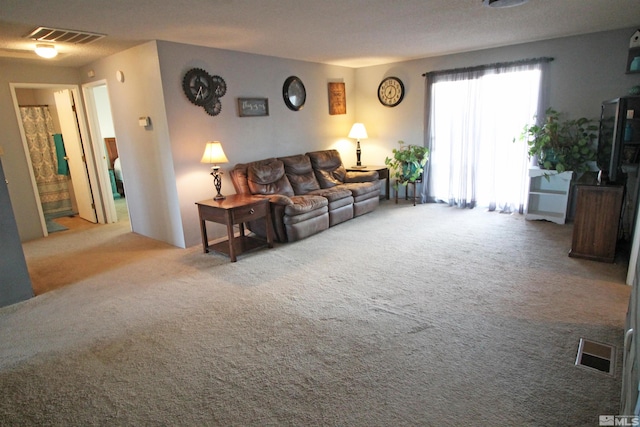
(250, 212)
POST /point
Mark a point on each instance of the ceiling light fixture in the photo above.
(503, 3)
(46, 50)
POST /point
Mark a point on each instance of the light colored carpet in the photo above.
(407, 316)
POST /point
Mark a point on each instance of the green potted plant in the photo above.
(561, 144)
(407, 163)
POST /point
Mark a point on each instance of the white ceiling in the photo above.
(351, 33)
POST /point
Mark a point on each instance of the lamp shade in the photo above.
(46, 50)
(213, 153)
(358, 131)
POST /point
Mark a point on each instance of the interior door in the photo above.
(75, 153)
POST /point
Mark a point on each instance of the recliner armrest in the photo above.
(364, 176)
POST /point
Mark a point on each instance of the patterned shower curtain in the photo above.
(53, 188)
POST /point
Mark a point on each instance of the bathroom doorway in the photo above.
(57, 151)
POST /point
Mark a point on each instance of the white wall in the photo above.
(145, 153)
(161, 164)
(15, 283)
(105, 120)
(586, 71)
(283, 132)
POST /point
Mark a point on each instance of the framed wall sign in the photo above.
(337, 98)
(253, 107)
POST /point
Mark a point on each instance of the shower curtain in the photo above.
(52, 187)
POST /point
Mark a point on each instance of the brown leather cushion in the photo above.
(362, 188)
(306, 204)
(334, 193)
(300, 173)
(268, 178)
(328, 167)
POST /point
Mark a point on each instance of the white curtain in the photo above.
(472, 118)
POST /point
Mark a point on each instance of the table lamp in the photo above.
(358, 132)
(214, 154)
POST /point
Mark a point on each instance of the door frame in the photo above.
(102, 169)
(87, 146)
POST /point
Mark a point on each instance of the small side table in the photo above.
(235, 209)
(383, 173)
(406, 190)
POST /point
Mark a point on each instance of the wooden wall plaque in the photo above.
(337, 98)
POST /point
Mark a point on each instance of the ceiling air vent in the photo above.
(46, 34)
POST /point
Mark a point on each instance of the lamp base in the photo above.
(358, 167)
(217, 182)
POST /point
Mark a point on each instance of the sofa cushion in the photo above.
(334, 193)
(300, 173)
(328, 167)
(268, 178)
(302, 219)
(361, 176)
(305, 204)
(362, 188)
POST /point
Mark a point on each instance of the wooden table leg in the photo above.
(267, 218)
(386, 186)
(414, 193)
(231, 237)
(205, 239)
(397, 190)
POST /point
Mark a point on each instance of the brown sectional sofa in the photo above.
(308, 193)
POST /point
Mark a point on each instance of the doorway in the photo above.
(101, 125)
(87, 183)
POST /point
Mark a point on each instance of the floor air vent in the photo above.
(596, 356)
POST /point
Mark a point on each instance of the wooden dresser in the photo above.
(596, 223)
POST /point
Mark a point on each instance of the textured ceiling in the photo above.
(352, 33)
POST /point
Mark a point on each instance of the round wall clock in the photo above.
(198, 85)
(391, 91)
(294, 93)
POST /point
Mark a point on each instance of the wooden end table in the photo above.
(235, 209)
(383, 173)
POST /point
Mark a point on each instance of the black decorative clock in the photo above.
(294, 93)
(198, 86)
(219, 86)
(204, 90)
(391, 91)
(213, 107)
